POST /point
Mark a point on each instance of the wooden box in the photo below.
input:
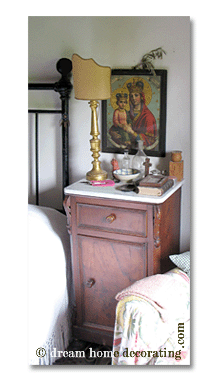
(176, 169)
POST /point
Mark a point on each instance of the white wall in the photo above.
(119, 42)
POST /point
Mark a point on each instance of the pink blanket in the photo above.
(162, 292)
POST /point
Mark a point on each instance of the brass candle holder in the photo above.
(96, 174)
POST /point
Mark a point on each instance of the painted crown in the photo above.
(135, 86)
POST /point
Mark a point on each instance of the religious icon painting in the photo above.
(135, 111)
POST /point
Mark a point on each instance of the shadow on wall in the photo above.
(163, 163)
(52, 198)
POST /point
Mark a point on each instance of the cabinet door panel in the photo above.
(106, 267)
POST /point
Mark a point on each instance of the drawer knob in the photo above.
(90, 283)
(111, 218)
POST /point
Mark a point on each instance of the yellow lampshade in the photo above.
(91, 81)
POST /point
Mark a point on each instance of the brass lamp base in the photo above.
(96, 174)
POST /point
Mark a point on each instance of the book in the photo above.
(153, 180)
(156, 191)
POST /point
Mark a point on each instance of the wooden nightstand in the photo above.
(116, 239)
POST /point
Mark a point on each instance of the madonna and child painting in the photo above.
(136, 110)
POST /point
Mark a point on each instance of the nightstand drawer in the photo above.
(118, 220)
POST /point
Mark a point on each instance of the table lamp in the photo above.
(92, 82)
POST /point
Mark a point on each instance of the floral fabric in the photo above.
(141, 337)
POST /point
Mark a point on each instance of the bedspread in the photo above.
(49, 284)
(145, 333)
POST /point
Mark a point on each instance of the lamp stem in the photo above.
(96, 174)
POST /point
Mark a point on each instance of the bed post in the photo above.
(64, 87)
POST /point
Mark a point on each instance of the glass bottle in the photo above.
(126, 160)
(139, 159)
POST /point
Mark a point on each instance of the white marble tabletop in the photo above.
(111, 192)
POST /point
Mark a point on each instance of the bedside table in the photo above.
(116, 239)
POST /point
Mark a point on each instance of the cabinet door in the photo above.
(105, 268)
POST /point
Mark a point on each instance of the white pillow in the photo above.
(182, 261)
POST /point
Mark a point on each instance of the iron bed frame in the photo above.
(63, 87)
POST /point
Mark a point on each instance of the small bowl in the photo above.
(126, 174)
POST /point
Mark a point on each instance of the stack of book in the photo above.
(155, 185)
